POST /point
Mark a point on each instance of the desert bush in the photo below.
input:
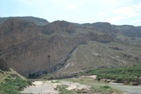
(13, 86)
(123, 74)
(63, 90)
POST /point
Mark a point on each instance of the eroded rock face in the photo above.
(33, 49)
(59, 27)
(129, 30)
(14, 32)
(28, 51)
(3, 65)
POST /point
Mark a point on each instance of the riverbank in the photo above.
(66, 86)
(81, 84)
(127, 89)
(41, 87)
(63, 87)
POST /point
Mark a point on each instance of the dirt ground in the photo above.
(48, 87)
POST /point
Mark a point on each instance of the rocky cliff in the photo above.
(33, 49)
(4, 66)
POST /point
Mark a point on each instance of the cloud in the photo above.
(77, 4)
(114, 11)
(123, 13)
(109, 2)
(137, 21)
(101, 14)
(34, 3)
(137, 7)
(122, 10)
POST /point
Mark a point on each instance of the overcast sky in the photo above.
(117, 12)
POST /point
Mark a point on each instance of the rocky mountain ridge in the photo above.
(33, 49)
(37, 21)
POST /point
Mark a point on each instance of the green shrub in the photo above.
(13, 86)
(63, 90)
(120, 74)
(106, 87)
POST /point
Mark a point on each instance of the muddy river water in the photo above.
(127, 89)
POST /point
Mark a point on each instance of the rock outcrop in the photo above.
(26, 50)
(4, 66)
(37, 21)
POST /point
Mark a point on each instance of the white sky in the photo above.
(117, 12)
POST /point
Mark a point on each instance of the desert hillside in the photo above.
(33, 46)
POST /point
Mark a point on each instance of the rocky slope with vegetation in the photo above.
(11, 82)
(33, 46)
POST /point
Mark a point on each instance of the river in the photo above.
(127, 89)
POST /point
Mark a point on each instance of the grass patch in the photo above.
(102, 89)
(13, 86)
(11, 82)
(63, 90)
(96, 86)
(12, 74)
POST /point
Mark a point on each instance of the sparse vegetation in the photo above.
(11, 82)
(96, 87)
(97, 55)
(13, 86)
(63, 90)
(102, 89)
